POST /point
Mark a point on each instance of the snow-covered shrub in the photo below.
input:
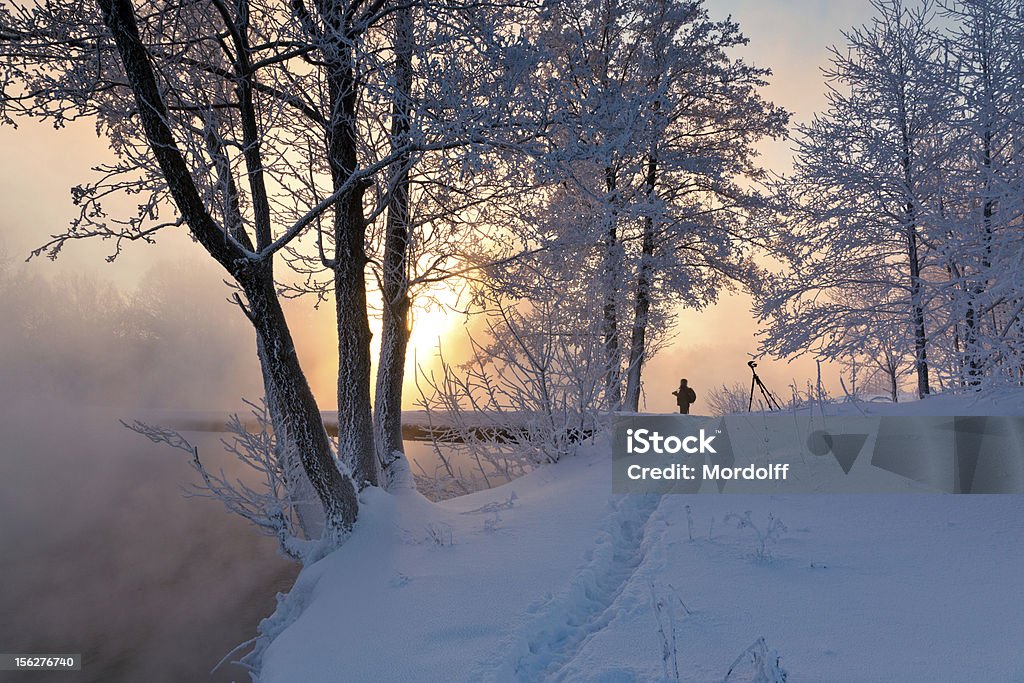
(529, 396)
(811, 397)
(727, 400)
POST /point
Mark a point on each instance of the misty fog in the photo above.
(103, 554)
(174, 341)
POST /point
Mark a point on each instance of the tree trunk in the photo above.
(916, 298)
(971, 341)
(297, 416)
(976, 289)
(917, 305)
(298, 425)
(609, 322)
(288, 452)
(355, 421)
(395, 332)
(388, 398)
(642, 304)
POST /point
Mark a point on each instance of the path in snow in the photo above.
(558, 628)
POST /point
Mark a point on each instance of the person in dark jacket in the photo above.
(684, 397)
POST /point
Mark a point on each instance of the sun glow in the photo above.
(436, 329)
(437, 323)
(437, 320)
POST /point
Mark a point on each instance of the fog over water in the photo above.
(103, 555)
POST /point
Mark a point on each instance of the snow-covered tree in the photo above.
(906, 203)
(267, 129)
(867, 176)
(655, 132)
(983, 197)
(435, 89)
(197, 101)
(699, 167)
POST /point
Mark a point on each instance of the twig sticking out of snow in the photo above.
(494, 506)
(764, 666)
(665, 614)
(667, 633)
(765, 537)
(440, 534)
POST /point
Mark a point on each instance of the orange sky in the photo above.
(790, 36)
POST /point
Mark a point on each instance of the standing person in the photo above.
(684, 397)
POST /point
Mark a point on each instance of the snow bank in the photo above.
(552, 577)
(989, 402)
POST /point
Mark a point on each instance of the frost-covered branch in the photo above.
(265, 504)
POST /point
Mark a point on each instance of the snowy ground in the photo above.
(551, 577)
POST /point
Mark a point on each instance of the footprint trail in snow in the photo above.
(547, 642)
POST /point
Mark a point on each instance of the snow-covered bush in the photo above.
(527, 397)
(812, 397)
(727, 400)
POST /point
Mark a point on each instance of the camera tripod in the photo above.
(769, 398)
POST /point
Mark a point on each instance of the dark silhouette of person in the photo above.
(684, 397)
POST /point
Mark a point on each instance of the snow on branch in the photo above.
(265, 503)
